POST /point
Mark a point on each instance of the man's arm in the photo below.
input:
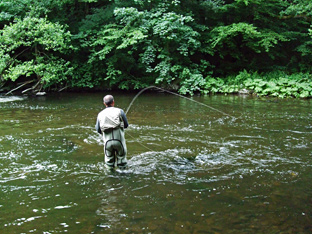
(97, 126)
(124, 118)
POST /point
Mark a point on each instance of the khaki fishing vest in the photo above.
(110, 118)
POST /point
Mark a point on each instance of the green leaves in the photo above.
(275, 84)
(192, 82)
(130, 44)
(298, 85)
(23, 69)
(34, 31)
(27, 47)
(250, 37)
(224, 34)
(30, 31)
(156, 40)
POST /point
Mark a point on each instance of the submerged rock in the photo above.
(244, 91)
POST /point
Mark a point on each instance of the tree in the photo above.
(32, 49)
(142, 46)
(131, 44)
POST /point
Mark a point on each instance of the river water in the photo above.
(191, 169)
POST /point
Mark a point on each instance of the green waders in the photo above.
(115, 148)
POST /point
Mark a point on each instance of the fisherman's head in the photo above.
(108, 100)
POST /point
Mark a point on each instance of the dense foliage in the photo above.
(193, 46)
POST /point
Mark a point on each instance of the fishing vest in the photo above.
(110, 118)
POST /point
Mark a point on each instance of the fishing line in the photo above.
(139, 142)
(164, 90)
(135, 97)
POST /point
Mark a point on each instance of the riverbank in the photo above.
(273, 84)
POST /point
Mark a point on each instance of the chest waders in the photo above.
(115, 149)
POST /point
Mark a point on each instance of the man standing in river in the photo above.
(111, 123)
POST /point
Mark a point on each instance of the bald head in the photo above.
(108, 100)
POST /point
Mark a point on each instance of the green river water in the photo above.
(191, 169)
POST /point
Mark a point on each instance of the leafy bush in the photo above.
(32, 47)
(275, 84)
(296, 85)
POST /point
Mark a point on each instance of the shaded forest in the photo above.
(191, 46)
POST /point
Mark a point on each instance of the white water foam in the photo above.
(11, 98)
